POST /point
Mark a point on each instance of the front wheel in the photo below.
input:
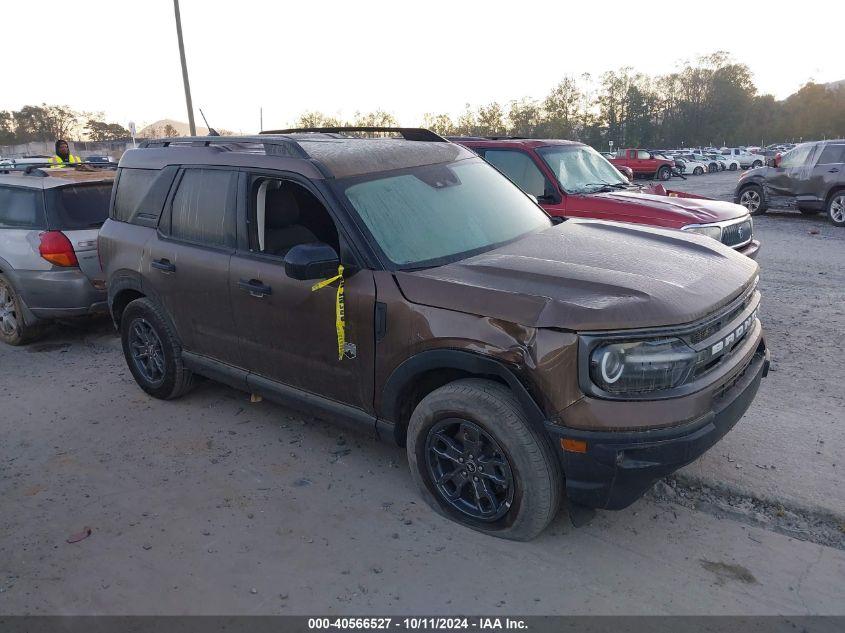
(664, 173)
(152, 351)
(752, 198)
(836, 208)
(698, 171)
(478, 461)
(733, 167)
(756, 164)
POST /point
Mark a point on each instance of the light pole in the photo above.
(190, 105)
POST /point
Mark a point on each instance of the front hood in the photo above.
(687, 210)
(589, 275)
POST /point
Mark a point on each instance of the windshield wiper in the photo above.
(604, 185)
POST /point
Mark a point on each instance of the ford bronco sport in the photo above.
(406, 285)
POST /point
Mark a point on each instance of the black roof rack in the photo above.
(272, 146)
(408, 133)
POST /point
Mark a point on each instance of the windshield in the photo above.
(436, 214)
(581, 169)
(79, 206)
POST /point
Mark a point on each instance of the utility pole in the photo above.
(190, 105)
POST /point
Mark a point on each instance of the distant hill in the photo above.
(835, 85)
(157, 128)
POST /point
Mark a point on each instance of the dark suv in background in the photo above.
(810, 176)
(406, 285)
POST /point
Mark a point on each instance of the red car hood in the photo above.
(665, 210)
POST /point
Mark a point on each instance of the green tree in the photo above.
(102, 131)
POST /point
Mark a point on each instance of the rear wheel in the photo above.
(478, 461)
(664, 173)
(836, 208)
(698, 171)
(733, 167)
(752, 198)
(756, 164)
(13, 328)
(152, 351)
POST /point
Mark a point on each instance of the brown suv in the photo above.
(405, 284)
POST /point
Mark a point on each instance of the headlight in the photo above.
(641, 366)
(710, 231)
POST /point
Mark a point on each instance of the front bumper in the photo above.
(60, 292)
(751, 249)
(619, 467)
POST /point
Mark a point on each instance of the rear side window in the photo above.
(132, 185)
(21, 208)
(79, 206)
(202, 209)
(520, 169)
(832, 154)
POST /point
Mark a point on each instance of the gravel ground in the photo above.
(790, 446)
(213, 505)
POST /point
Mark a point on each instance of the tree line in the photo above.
(710, 101)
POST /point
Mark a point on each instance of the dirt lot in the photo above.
(214, 505)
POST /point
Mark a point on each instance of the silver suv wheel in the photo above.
(750, 199)
(836, 209)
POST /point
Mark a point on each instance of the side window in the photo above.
(642, 154)
(621, 153)
(202, 210)
(832, 154)
(521, 170)
(21, 208)
(132, 185)
(797, 156)
(284, 214)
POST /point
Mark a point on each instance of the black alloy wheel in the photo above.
(146, 351)
(469, 469)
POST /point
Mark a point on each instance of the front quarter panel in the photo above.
(543, 360)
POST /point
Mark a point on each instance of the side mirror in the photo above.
(311, 261)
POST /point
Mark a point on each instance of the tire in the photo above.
(13, 329)
(153, 351)
(733, 167)
(756, 164)
(698, 171)
(480, 415)
(836, 208)
(753, 199)
(664, 173)
(712, 168)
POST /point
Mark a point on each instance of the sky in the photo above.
(407, 57)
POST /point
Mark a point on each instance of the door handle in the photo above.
(255, 287)
(835, 170)
(163, 265)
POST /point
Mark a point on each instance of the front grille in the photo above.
(738, 233)
(722, 320)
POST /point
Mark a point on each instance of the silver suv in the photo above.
(49, 221)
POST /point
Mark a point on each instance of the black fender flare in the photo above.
(403, 377)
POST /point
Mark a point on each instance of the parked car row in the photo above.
(405, 284)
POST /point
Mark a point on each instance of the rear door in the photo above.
(829, 170)
(79, 211)
(186, 263)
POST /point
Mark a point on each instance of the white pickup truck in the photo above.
(746, 159)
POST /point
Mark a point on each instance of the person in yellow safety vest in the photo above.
(63, 156)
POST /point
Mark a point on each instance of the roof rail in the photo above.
(30, 169)
(408, 133)
(272, 146)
